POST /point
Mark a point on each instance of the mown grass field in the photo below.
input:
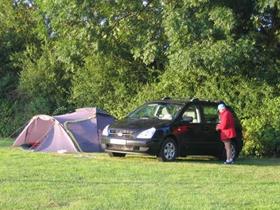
(95, 181)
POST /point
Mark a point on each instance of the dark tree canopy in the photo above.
(62, 54)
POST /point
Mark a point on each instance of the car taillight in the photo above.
(181, 129)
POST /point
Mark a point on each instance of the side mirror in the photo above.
(187, 119)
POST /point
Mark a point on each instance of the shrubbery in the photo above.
(6, 115)
(262, 132)
(115, 55)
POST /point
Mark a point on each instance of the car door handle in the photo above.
(206, 128)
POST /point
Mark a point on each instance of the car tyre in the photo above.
(116, 154)
(168, 150)
(223, 155)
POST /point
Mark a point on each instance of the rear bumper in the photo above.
(150, 146)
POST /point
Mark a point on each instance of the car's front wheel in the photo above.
(168, 151)
(116, 154)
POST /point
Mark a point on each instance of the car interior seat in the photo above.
(165, 115)
(191, 114)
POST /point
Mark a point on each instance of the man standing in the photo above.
(227, 130)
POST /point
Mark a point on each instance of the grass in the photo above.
(31, 180)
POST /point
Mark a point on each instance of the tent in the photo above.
(79, 131)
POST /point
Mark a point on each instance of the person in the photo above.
(227, 130)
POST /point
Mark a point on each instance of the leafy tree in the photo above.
(119, 39)
(57, 55)
(217, 51)
(16, 32)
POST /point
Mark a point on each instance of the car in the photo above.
(169, 129)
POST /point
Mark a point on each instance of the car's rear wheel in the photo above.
(168, 151)
(234, 152)
(116, 154)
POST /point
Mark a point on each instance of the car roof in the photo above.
(168, 102)
(183, 101)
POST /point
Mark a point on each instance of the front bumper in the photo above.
(111, 144)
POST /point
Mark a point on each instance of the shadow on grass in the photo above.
(240, 161)
(258, 161)
(89, 183)
(7, 143)
(213, 160)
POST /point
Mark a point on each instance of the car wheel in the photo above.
(168, 151)
(234, 152)
(115, 154)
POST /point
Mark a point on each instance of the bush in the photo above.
(262, 133)
(107, 84)
(14, 115)
(243, 94)
(5, 115)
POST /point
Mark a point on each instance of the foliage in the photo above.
(45, 79)
(243, 95)
(59, 55)
(18, 23)
(263, 131)
(5, 115)
(105, 82)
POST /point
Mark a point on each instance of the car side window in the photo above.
(191, 111)
(164, 114)
(210, 114)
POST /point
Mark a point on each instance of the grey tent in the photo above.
(79, 131)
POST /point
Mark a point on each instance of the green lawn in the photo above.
(95, 181)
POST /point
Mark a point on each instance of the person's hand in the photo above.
(217, 127)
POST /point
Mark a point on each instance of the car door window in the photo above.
(210, 114)
(191, 111)
(164, 114)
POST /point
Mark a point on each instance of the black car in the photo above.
(169, 129)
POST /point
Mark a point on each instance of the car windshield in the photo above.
(160, 111)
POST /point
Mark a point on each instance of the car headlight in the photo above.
(105, 131)
(146, 134)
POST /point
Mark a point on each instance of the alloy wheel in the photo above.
(233, 152)
(169, 151)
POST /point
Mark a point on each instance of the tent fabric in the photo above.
(79, 131)
(39, 126)
(50, 144)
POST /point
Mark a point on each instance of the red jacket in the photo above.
(226, 125)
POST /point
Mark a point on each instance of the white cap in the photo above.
(221, 106)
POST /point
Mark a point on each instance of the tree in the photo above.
(16, 32)
(121, 38)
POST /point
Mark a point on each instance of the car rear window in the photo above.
(210, 114)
